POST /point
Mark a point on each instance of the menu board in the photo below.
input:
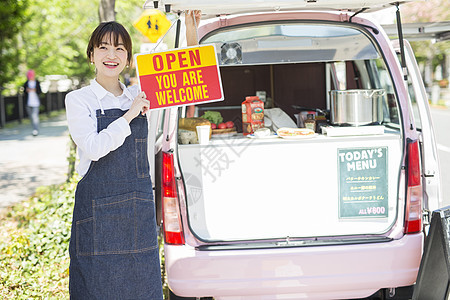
(363, 182)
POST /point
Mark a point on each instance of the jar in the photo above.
(310, 122)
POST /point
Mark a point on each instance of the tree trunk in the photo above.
(106, 11)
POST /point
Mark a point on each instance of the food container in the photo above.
(252, 115)
(187, 129)
(356, 107)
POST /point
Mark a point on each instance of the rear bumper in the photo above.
(326, 272)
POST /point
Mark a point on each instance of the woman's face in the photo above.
(109, 59)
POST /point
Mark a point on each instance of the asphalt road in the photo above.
(441, 124)
(27, 162)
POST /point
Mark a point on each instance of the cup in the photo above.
(203, 134)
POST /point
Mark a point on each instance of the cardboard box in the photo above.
(252, 114)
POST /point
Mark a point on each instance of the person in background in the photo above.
(114, 250)
(32, 90)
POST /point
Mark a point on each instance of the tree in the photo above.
(106, 10)
(51, 36)
(430, 11)
(12, 18)
(55, 38)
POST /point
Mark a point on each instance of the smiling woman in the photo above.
(113, 246)
(113, 235)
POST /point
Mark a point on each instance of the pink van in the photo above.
(340, 214)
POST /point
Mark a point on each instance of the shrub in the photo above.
(34, 245)
(34, 241)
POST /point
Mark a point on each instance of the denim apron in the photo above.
(113, 247)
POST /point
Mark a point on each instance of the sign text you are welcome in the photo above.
(180, 77)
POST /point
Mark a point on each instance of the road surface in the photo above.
(441, 124)
(27, 162)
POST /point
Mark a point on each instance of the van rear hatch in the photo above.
(239, 188)
(219, 7)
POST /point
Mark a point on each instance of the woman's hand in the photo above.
(191, 26)
(140, 105)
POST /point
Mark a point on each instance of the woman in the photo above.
(113, 247)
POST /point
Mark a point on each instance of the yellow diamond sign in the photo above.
(152, 24)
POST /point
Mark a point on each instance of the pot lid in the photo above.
(221, 7)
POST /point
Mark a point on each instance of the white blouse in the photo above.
(81, 107)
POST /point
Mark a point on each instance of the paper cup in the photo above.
(203, 134)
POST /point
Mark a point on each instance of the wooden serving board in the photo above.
(225, 130)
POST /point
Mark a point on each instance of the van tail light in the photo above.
(173, 232)
(414, 196)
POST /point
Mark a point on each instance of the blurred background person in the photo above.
(32, 90)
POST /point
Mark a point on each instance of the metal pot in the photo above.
(356, 107)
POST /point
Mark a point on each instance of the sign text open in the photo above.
(180, 77)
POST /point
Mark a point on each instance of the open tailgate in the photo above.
(220, 7)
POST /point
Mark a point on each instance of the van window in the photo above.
(290, 60)
(366, 74)
(292, 43)
(413, 100)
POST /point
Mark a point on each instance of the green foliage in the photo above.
(127, 13)
(12, 17)
(54, 41)
(34, 239)
(426, 50)
(52, 36)
(71, 158)
(34, 246)
(10, 109)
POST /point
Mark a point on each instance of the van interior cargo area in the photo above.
(239, 188)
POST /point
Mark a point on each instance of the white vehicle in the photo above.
(337, 215)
